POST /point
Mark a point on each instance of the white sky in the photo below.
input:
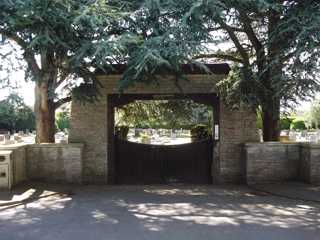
(25, 90)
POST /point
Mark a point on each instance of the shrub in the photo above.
(122, 132)
(200, 131)
(285, 123)
(298, 124)
(63, 120)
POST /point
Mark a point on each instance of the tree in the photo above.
(62, 43)
(15, 115)
(273, 45)
(169, 114)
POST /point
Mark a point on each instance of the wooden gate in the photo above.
(138, 163)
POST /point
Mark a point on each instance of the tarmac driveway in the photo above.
(153, 212)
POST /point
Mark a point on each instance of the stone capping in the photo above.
(254, 144)
(13, 146)
(57, 145)
(310, 145)
(301, 144)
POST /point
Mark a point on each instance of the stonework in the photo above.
(279, 162)
(271, 162)
(54, 162)
(310, 163)
(18, 161)
(89, 126)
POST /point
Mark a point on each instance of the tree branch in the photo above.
(62, 101)
(14, 38)
(249, 32)
(220, 56)
(28, 55)
(30, 59)
(258, 47)
(236, 41)
(235, 29)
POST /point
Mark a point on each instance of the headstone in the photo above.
(7, 137)
(304, 133)
(9, 142)
(2, 137)
(292, 136)
(17, 138)
(313, 138)
(173, 134)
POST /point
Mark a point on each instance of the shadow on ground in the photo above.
(156, 212)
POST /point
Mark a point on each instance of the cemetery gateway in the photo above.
(93, 125)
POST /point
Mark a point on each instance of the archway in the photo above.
(150, 164)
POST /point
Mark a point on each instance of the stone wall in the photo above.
(18, 161)
(54, 162)
(310, 163)
(89, 126)
(271, 162)
(236, 128)
(278, 162)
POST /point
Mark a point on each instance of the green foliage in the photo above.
(259, 120)
(122, 132)
(285, 123)
(71, 37)
(274, 45)
(298, 124)
(15, 115)
(199, 132)
(170, 114)
(63, 120)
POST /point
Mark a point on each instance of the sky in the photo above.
(25, 90)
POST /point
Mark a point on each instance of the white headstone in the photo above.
(292, 136)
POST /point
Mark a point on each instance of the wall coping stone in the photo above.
(57, 145)
(13, 146)
(301, 144)
(311, 145)
(255, 144)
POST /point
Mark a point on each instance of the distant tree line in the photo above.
(15, 115)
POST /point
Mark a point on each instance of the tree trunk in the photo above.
(45, 114)
(271, 121)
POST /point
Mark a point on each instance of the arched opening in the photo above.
(164, 122)
(162, 139)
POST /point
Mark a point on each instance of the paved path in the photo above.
(154, 212)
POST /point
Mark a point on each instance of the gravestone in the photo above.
(292, 136)
(313, 138)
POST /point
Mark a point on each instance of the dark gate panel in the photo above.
(162, 164)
